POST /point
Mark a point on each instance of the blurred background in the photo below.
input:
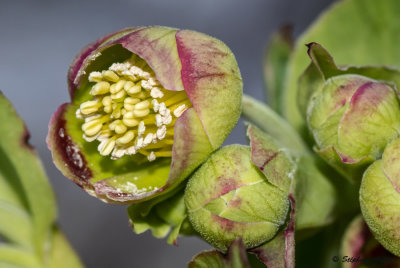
(39, 39)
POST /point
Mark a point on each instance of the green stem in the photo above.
(274, 125)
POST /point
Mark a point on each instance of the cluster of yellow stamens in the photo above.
(131, 112)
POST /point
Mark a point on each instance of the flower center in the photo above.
(131, 112)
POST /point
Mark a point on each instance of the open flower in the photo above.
(148, 105)
(380, 198)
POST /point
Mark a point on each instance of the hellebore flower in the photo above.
(352, 117)
(380, 198)
(148, 105)
(229, 197)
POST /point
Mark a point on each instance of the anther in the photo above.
(179, 111)
(142, 105)
(133, 89)
(95, 77)
(89, 107)
(141, 113)
(110, 76)
(105, 147)
(100, 88)
(128, 136)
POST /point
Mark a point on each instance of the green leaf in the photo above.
(18, 257)
(62, 255)
(271, 123)
(315, 196)
(356, 32)
(27, 205)
(235, 258)
(274, 65)
(162, 215)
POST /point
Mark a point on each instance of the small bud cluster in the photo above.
(131, 112)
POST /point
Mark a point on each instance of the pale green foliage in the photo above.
(27, 205)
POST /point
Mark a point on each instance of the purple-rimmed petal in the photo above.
(81, 60)
(158, 46)
(212, 82)
(271, 161)
(66, 154)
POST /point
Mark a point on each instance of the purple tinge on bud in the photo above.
(148, 105)
(352, 118)
(359, 247)
(380, 198)
(227, 197)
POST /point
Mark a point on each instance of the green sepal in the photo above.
(235, 258)
(162, 215)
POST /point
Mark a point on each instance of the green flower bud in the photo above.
(359, 247)
(241, 192)
(351, 117)
(380, 198)
(148, 106)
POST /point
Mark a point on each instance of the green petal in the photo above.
(352, 171)
(272, 162)
(212, 81)
(158, 47)
(373, 106)
(391, 163)
(228, 197)
(380, 206)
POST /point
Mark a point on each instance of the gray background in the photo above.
(38, 40)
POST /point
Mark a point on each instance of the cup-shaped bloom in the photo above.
(380, 198)
(229, 197)
(148, 105)
(352, 118)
